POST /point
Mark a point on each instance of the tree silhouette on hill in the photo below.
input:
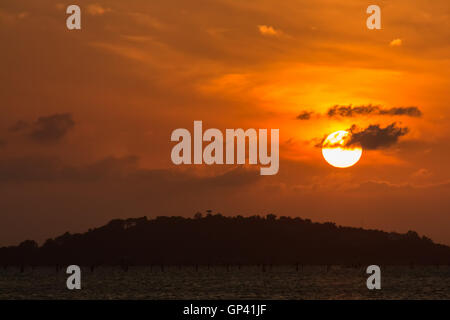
(216, 239)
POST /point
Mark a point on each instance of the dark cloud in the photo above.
(51, 169)
(52, 128)
(375, 137)
(28, 169)
(19, 126)
(402, 111)
(233, 178)
(305, 115)
(46, 129)
(363, 110)
(50, 194)
(350, 111)
(318, 142)
(386, 186)
(46, 169)
(371, 138)
(382, 186)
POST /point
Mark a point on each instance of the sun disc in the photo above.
(337, 154)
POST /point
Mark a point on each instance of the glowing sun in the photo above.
(337, 154)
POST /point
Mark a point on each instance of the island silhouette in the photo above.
(214, 239)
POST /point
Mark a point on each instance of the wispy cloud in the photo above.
(350, 111)
(268, 31)
(396, 43)
(46, 129)
(305, 115)
(96, 10)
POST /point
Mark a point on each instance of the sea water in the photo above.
(220, 282)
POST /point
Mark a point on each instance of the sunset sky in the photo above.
(87, 115)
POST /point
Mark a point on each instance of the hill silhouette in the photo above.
(216, 239)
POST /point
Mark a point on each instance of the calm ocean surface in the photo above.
(217, 283)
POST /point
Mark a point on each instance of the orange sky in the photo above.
(139, 69)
